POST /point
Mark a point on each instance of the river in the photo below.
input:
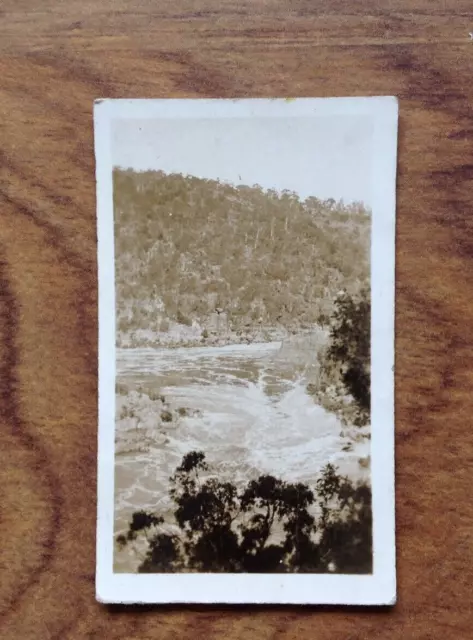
(245, 406)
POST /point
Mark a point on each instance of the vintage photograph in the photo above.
(246, 284)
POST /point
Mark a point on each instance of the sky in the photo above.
(322, 156)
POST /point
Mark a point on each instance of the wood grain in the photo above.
(55, 59)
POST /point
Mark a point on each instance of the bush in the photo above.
(222, 530)
(350, 347)
(343, 383)
(182, 319)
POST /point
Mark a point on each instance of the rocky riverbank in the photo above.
(196, 335)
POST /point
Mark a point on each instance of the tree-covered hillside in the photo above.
(190, 252)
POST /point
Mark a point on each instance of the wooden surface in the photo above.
(56, 57)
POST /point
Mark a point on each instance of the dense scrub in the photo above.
(187, 248)
(343, 381)
(269, 526)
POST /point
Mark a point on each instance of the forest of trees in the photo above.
(269, 526)
(186, 246)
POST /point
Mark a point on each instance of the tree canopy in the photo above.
(269, 526)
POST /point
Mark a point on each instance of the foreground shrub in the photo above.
(269, 526)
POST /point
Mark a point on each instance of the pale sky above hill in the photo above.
(324, 156)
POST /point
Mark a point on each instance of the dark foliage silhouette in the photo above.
(351, 345)
(346, 361)
(269, 526)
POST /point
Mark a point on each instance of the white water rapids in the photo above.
(247, 410)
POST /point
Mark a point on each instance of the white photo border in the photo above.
(378, 588)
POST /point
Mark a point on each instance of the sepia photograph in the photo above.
(246, 350)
